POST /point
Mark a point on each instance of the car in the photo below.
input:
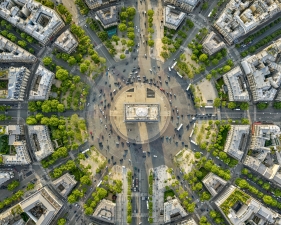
(124, 70)
(155, 156)
(85, 25)
(127, 63)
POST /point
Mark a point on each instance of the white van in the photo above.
(169, 69)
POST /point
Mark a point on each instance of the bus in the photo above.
(172, 67)
(179, 75)
(180, 126)
(188, 87)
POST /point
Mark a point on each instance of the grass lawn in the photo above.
(168, 193)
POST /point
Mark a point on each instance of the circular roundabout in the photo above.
(140, 113)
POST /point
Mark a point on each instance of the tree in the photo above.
(61, 221)
(197, 155)
(267, 199)
(83, 67)
(213, 214)
(217, 102)
(71, 61)
(123, 15)
(198, 186)
(60, 108)
(222, 155)
(11, 186)
(277, 105)
(209, 77)
(31, 120)
(62, 74)
(245, 121)
(231, 105)
(245, 171)
(266, 186)
(85, 180)
(131, 35)
(76, 79)
(262, 105)
(130, 43)
(150, 12)
(122, 56)
(203, 57)
(131, 11)
(30, 186)
(47, 61)
(122, 27)
(22, 44)
(244, 106)
(226, 68)
(150, 42)
(204, 6)
(89, 211)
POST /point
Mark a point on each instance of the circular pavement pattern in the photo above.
(140, 132)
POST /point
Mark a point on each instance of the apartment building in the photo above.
(186, 5)
(240, 208)
(213, 183)
(16, 140)
(41, 84)
(240, 17)
(236, 85)
(10, 52)
(108, 16)
(40, 141)
(260, 158)
(263, 71)
(94, 4)
(236, 141)
(32, 17)
(66, 42)
(173, 18)
(65, 184)
(212, 44)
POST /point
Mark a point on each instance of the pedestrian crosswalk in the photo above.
(98, 46)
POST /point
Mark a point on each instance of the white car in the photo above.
(138, 44)
(136, 27)
(155, 156)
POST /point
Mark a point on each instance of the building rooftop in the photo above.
(237, 90)
(189, 221)
(173, 210)
(141, 112)
(65, 184)
(213, 183)
(19, 154)
(12, 216)
(264, 72)
(238, 208)
(42, 206)
(105, 210)
(260, 158)
(92, 4)
(14, 82)
(41, 84)
(5, 176)
(187, 5)
(173, 18)
(66, 42)
(212, 43)
(40, 141)
(108, 16)
(37, 20)
(240, 17)
(236, 141)
(10, 52)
